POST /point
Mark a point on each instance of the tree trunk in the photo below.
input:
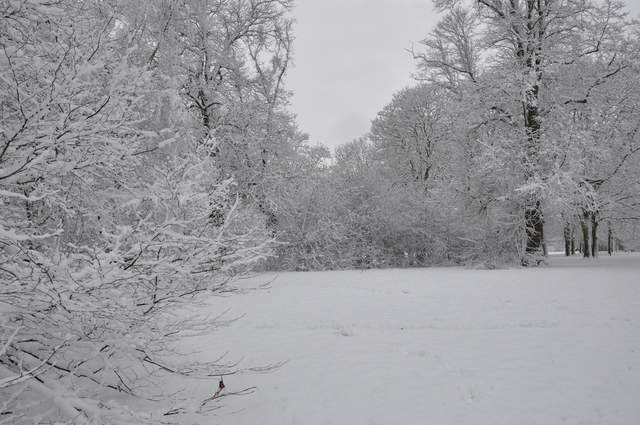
(610, 240)
(567, 240)
(573, 240)
(594, 235)
(535, 229)
(584, 224)
(534, 220)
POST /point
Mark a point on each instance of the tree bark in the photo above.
(573, 240)
(584, 224)
(535, 229)
(594, 235)
(567, 240)
(529, 52)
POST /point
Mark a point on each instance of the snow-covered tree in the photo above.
(597, 153)
(509, 58)
(411, 134)
(116, 209)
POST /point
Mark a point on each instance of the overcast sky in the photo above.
(350, 57)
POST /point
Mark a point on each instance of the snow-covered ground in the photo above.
(554, 345)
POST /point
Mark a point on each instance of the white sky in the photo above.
(350, 57)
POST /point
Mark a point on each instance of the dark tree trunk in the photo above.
(573, 240)
(584, 224)
(610, 240)
(535, 229)
(533, 214)
(567, 239)
(594, 235)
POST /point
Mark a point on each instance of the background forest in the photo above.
(525, 114)
(148, 154)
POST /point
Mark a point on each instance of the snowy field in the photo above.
(556, 345)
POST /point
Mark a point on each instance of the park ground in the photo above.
(442, 346)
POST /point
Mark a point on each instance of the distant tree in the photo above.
(412, 132)
(595, 149)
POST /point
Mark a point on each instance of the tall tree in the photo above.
(509, 52)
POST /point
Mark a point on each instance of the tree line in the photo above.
(521, 129)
